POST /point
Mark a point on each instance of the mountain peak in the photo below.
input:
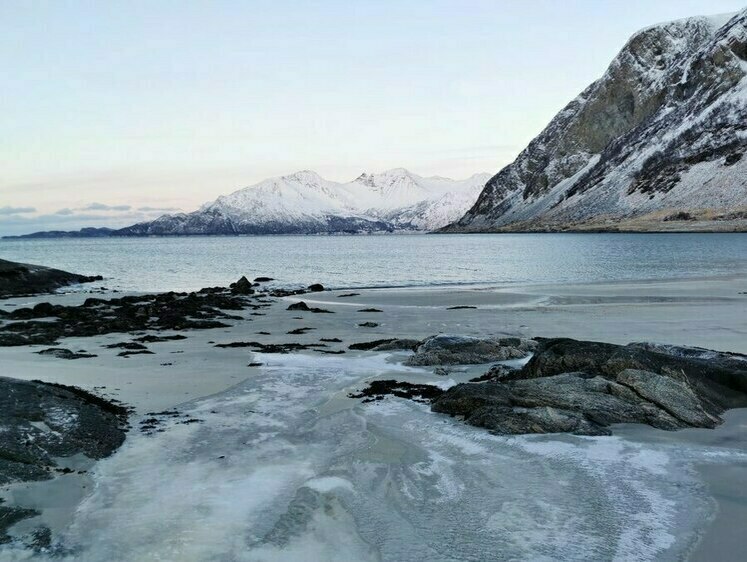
(304, 176)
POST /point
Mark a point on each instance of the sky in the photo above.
(115, 112)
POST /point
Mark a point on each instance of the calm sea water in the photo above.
(187, 263)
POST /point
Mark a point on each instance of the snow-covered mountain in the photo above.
(306, 203)
(656, 143)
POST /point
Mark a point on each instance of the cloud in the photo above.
(103, 207)
(64, 212)
(157, 209)
(7, 210)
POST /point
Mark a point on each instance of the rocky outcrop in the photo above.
(464, 350)
(657, 143)
(19, 279)
(585, 387)
(42, 423)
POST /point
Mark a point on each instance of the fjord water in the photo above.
(189, 263)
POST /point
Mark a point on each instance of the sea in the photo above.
(190, 263)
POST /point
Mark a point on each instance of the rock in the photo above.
(370, 310)
(315, 288)
(18, 279)
(299, 331)
(390, 344)
(242, 287)
(585, 387)
(368, 324)
(166, 311)
(263, 279)
(133, 346)
(453, 350)
(348, 295)
(62, 353)
(460, 307)
(42, 422)
(495, 373)
(377, 390)
(300, 305)
(673, 396)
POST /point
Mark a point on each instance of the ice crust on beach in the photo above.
(286, 467)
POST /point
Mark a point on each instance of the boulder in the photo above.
(242, 287)
(464, 350)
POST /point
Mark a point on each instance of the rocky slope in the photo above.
(657, 143)
(306, 203)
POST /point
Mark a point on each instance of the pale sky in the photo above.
(114, 112)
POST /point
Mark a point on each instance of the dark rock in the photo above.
(263, 279)
(460, 307)
(125, 345)
(390, 344)
(157, 339)
(299, 331)
(62, 353)
(272, 347)
(302, 306)
(242, 287)
(368, 325)
(138, 352)
(315, 288)
(78, 422)
(377, 390)
(166, 311)
(331, 340)
(370, 310)
(18, 279)
(347, 295)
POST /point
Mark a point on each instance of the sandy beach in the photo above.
(196, 377)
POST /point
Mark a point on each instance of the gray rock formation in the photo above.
(584, 387)
(463, 350)
(657, 143)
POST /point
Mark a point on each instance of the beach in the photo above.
(279, 432)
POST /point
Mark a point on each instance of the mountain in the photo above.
(306, 203)
(657, 143)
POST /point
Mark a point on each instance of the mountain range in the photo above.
(657, 143)
(306, 203)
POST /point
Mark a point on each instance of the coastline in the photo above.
(705, 312)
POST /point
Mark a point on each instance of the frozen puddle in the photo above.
(285, 467)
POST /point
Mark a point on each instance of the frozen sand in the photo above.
(704, 312)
